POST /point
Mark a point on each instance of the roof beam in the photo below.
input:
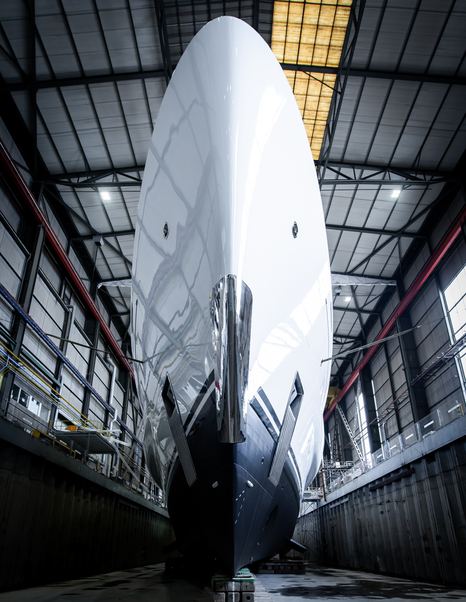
(383, 279)
(104, 78)
(63, 82)
(356, 174)
(326, 182)
(94, 179)
(407, 173)
(136, 182)
(93, 184)
(345, 337)
(364, 312)
(379, 74)
(163, 38)
(100, 173)
(369, 181)
(376, 231)
(128, 232)
(339, 279)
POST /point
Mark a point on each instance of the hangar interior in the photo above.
(380, 86)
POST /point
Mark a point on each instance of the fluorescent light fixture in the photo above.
(105, 195)
(396, 193)
(347, 299)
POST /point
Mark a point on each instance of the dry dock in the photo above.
(150, 583)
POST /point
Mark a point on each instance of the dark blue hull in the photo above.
(232, 516)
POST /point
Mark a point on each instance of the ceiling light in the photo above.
(347, 299)
(105, 195)
(396, 193)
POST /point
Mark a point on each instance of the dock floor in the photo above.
(150, 583)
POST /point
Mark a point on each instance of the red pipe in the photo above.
(9, 168)
(429, 267)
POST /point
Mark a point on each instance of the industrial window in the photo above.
(39, 407)
(362, 419)
(118, 396)
(48, 312)
(78, 354)
(101, 379)
(9, 211)
(379, 426)
(50, 272)
(383, 395)
(455, 306)
(12, 261)
(72, 390)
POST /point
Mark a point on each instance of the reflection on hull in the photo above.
(231, 307)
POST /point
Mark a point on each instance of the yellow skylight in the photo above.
(312, 33)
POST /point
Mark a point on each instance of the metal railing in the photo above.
(35, 406)
(440, 417)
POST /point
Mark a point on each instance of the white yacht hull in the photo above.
(231, 300)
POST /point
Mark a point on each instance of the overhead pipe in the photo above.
(10, 169)
(426, 272)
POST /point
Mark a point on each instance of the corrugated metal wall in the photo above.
(397, 404)
(414, 526)
(55, 525)
(98, 387)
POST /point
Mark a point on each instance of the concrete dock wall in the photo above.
(409, 523)
(57, 525)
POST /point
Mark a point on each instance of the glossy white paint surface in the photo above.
(229, 171)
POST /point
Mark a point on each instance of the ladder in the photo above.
(351, 434)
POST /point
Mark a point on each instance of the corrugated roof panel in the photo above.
(360, 208)
(126, 245)
(60, 55)
(363, 116)
(341, 204)
(379, 213)
(449, 57)
(428, 26)
(72, 201)
(339, 260)
(131, 197)
(411, 36)
(47, 149)
(374, 265)
(111, 215)
(344, 320)
(119, 40)
(13, 16)
(95, 210)
(53, 110)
